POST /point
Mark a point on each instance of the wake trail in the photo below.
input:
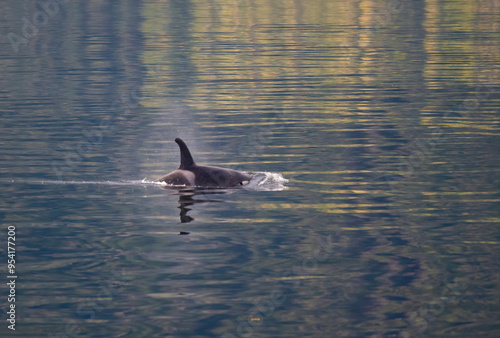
(73, 182)
(261, 181)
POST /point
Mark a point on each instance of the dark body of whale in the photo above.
(192, 175)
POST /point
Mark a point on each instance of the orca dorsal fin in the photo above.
(186, 158)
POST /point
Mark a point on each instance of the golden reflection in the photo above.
(300, 277)
(378, 227)
(329, 208)
(333, 182)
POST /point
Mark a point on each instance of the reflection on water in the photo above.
(382, 115)
(186, 199)
(261, 181)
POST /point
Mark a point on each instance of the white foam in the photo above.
(267, 181)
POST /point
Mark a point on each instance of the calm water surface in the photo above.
(383, 116)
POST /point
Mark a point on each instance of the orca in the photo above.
(191, 175)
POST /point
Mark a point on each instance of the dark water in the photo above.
(384, 116)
